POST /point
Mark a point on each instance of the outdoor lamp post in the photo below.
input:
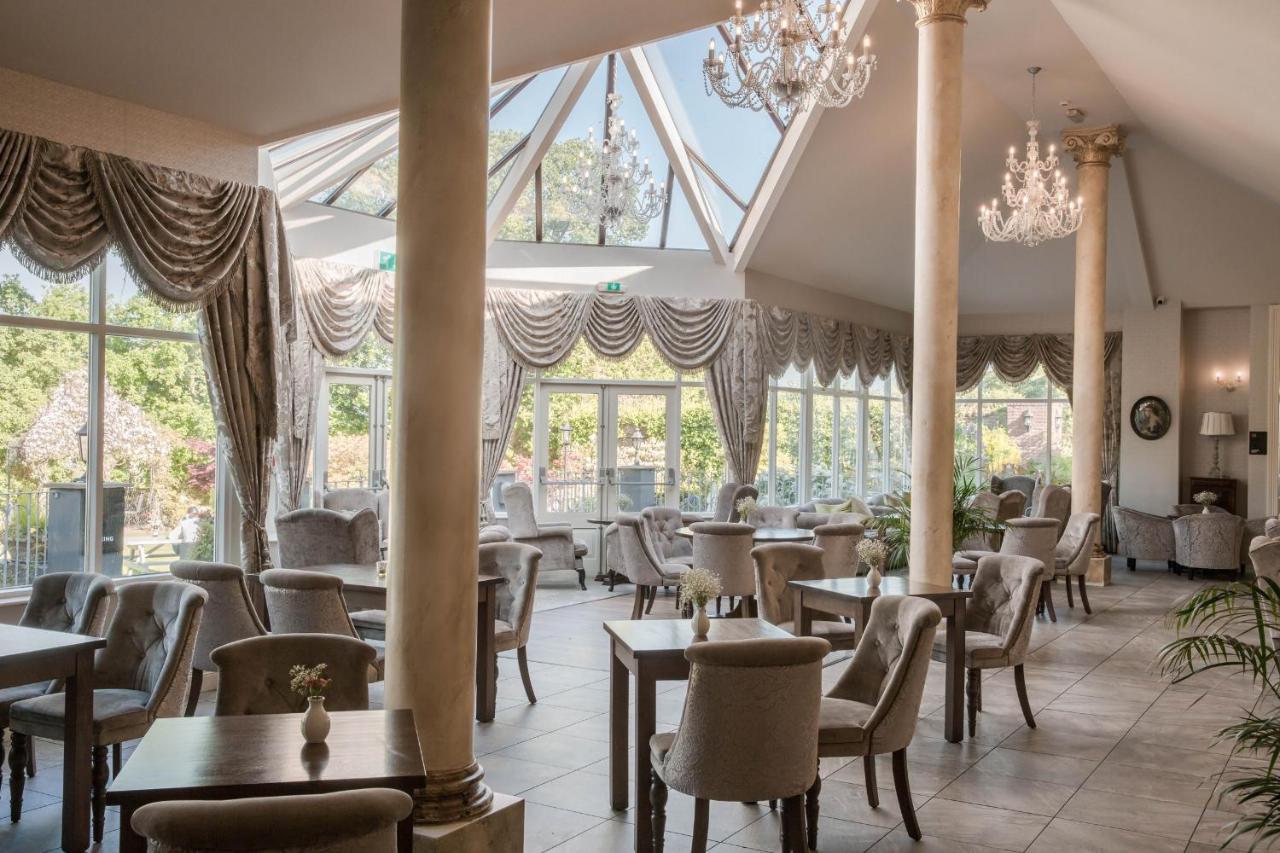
(566, 434)
(636, 439)
(82, 435)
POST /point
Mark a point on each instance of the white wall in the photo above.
(1215, 340)
(1263, 377)
(1152, 364)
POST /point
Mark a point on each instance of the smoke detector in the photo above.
(1073, 112)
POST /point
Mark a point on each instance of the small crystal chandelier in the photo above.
(786, 56)
(609, 183)
(1040, 209)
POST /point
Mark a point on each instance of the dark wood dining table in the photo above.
(264, 755)
(32, 655)
(363, 589)
(853, 597)
(652, 650)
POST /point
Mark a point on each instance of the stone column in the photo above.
(439, 335)
(937, 277)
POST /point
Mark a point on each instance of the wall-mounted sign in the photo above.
(387, 261)
(610, 287)
(1257, 442)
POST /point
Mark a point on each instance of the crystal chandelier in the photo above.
(1040, 209)
(609, 182)
(787, 56)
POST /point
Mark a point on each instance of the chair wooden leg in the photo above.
(522, 658)
(973, 690)
(637, 608)
(1046, 596)
(653, 596)
(903, 787)
(193, 692)
(1132, 564)
(701, 819)
(1020, 682)
(117, 759)
(812, 808)
(17, 776)
(1084, 596)
(869, 777)
(1071, 602)
(98, 778)
(31, 762)
(795, 825)
(582, 574)
(658, 798)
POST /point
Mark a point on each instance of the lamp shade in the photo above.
(1217, 423)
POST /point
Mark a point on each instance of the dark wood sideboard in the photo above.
(1224, 488)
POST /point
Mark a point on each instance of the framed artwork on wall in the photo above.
(1150, 418)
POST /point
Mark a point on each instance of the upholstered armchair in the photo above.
(1027, 536)
(229, 615)
(822, 510)
(664, 521)
(560, 552)
(780, 562)
(998, 626)
(360, 821)
(881, 503)
(765, 693)
(1074, 551)
(643, 562)
(494, 533)
(1024, 483)
(1264, 553)
(774, 516)
(253, 673)
(350, 500)
(1053, 502)
(839, 544)
(302, 602)
(140, 676)
(727, 500)
(517, 564)
(725, 548)
(321, 537)
(1208, 542)
(1143, 536)
(71, 602)
(873, 708)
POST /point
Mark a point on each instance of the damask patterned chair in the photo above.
(229, 615)
(253, 673)
(71, 602)
(1053, 502)
(360, 821)
(1074, 551)
(664, 521)
(725, 548)
(140, 676)
(780, 562)
(727, 500)
(560, 552)
(873, 708)
(839, 544)
(302, 602)
(517, 564)
(1143, 536)
(784, 517)
(998, 626)
(644, 564)
(764, 693)
(322, 537)
(1208, 542)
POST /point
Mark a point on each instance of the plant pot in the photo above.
(700, 623)
(315, 720)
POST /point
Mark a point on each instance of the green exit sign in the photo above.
(387, 261)
(609, 287)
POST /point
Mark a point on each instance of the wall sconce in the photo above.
(1228, 384)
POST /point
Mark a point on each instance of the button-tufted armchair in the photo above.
(1143, 536)
(140, 676)
(775, 517)
(360, 821)
(839, 544)
(1053, 502)
(1074, 551)
(759, 692)
(322, 537)
(560, 552)
(517, 564)
(302, 602)
(872, 709)
(1208, 542)
(725, 548)
(643, 562)
(780, 562)
(72, 602)
(1000, 507)
(998, 626)
(229, 615)
(1032, 537)
(253, 673)
(727, 500)
(664, 521)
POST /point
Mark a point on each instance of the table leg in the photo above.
(803, 618)
(130, 841)
(486, 662)
(404, 835)
(646, 713)
(619, 687)
(954, 714)
(75, 768)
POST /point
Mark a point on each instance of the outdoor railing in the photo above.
(23, 545)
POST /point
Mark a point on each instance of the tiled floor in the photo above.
(1120, 761)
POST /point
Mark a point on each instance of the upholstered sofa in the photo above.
(852, 510)
(1143, 536)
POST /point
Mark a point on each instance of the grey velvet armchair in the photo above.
(72, 602)
(560, 552)
(1000, 507)
(229, 615)
(359, 821)
(998, 626)
(1074, 551)
(781, 562)
(319, 537)
(1022, 482)
(1053, 502)
(253, 673)
(643, 562)
(302, 602)
(517, 564)
(1143, 536)
(873, 708)
(140, 676)
(1208, 542)
(839, 544)
(765, 693)
(727, 500)
(725, 548)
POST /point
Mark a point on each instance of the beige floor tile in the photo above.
(898, 841)
(1217, 826)
(1068, 836)
(973, 824)
(1157, 757)
(614, 836)
(511, 775)
(1008, 792)
(1149, 817)
(833, 834)
(1060, 769)
(545, 827)
(1117, 778)
(724, 819)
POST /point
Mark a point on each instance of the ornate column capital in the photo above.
(930, 11)
(1094, 146)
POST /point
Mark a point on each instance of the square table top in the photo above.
(363, 578)
(242, 756)
(17, 641)
(858, 588)
(644, 637)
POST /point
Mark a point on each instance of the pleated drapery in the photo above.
(191, 243)
(1015, 357)
(342, 304)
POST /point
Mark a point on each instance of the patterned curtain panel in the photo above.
(1111, 427)
(192, 243)
(342, 304)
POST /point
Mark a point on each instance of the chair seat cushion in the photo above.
(118, 715)
(842, 721)
(961, 565)
(683, 559)
(370, 619)
(659, 746)
(579, 550)
(10, 695)
(981, 650)
(674, 572)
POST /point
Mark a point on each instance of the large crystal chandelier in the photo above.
(1040, 209)
(609, 183)
(787, 56)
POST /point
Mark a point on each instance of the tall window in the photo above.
(1016, 427)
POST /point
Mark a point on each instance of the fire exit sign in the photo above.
(387, 261)
(609, 287)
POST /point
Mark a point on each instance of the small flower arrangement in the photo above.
(699, 587)
(1206, 498)
(873, 552)
(745, 506)
(309, 681)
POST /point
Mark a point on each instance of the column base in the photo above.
(1099, 573)
(453, 795)
(500, 829)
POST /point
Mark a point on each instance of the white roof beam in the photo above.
(360, 152)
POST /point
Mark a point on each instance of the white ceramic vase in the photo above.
(315, 720)
(873, 577)
(700, 623)
(1205, 510)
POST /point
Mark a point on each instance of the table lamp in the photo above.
(1216, 425)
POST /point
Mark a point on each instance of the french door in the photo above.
(353, 431)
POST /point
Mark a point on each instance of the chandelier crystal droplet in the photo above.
(1040, 206)
(788, 55)
(610, 183)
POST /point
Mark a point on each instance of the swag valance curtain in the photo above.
(192, 243)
